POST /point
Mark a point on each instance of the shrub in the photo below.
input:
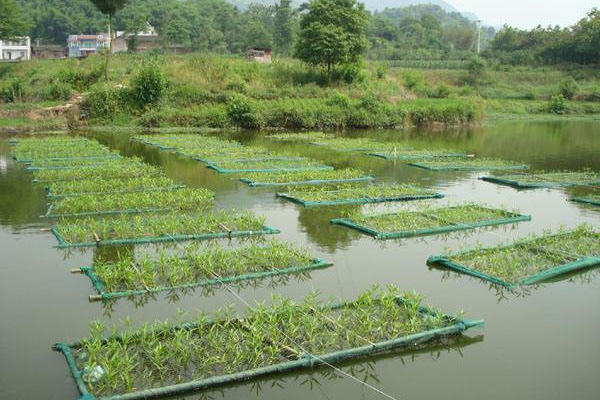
(476, 70)
(382, 71)
(557, 104)
(442, 91)
(148, 84)
(105, 101)
(241, 111)
(12, 90)
(58, 91)
(337, 98)
(79, 79)
(568, 88)
(189, 95)
(593, 95)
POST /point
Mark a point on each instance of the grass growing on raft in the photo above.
(182, 199)
(428, 220)
(409, 155)
(468, 164)
(162, 354)
(350, 144)
(144, 226)
(105, 186)
(529, 260)
(303, 176)
(225, 154)
(304, 136)
(175, 141)
(128, 168)
(60, 152)
(342, 193)
(547, 179)
(76, 162)
(269, 166)
(215, 262)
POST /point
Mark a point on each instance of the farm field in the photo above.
(293, 251)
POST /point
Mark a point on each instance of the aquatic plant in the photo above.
(304, 176)
(127, 168)
(182, 199)
(148, 271)
(161, 354)
(467, 164)
(106, 186)
(533, 255)
(90, 230)
(349, 192)
(300, 136)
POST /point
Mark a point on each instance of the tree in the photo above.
(332, 34)
(12, 21)
(284, 27)
(109, 8)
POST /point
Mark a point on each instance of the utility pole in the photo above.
(478, 36)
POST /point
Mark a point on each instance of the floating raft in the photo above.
(431, 224)
(540, 259)
(268, 169)
(104, 295)
(117, 191)
(592, 200)
(473, 164)
(546, 180)
(278, 357)
(253, 183)
(163, 239)
(416, 155)
(415, 194)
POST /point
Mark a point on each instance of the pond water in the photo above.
(538, 343)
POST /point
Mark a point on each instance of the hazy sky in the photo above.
(527, 13)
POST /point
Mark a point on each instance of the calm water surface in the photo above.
(538, 344)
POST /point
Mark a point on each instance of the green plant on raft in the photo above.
(127, 168)
(533, 255)
(182, 199)
(269, 164)
(301, 176)
(167, 270)
(102, 185)
(300, 136)
(468, 163)
(340, 192)
(186, 141)
(429, 218)
(163, 354)
(88, 230)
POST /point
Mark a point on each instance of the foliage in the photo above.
(332, 34)
(12, 20)
(568, 88)
(105, 101)
(101, 185)
(557, 104)
(148, 84)
(353, 192)
(280, 178)
(476, 71)
(163, 354)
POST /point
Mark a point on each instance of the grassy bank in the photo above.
(210, 91)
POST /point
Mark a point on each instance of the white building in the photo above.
(18, 49)
(85, 45)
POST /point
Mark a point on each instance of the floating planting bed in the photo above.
(438, 220)
(185, 199)
(41, 148)
(350, 144)
(546, 179)
(74, 162)
(126, 169)
(468, 164)
(59, 153)
(529, 261)
(237, 167)
(304, 136)
(305, 178)
(169, 228)
(174, 142)
(411, 155)
(310, 196)
(593, 200)
(213, 156)
(101, 186)
(162, 359)
(214, 265)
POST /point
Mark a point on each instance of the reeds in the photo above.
(133, 227)
(162, 354)
(182, 199)
(147, 271)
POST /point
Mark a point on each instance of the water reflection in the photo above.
(364, 371)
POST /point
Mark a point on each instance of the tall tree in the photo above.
(332, 33)
(12, 21)
(284, 27)
(109, 8)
